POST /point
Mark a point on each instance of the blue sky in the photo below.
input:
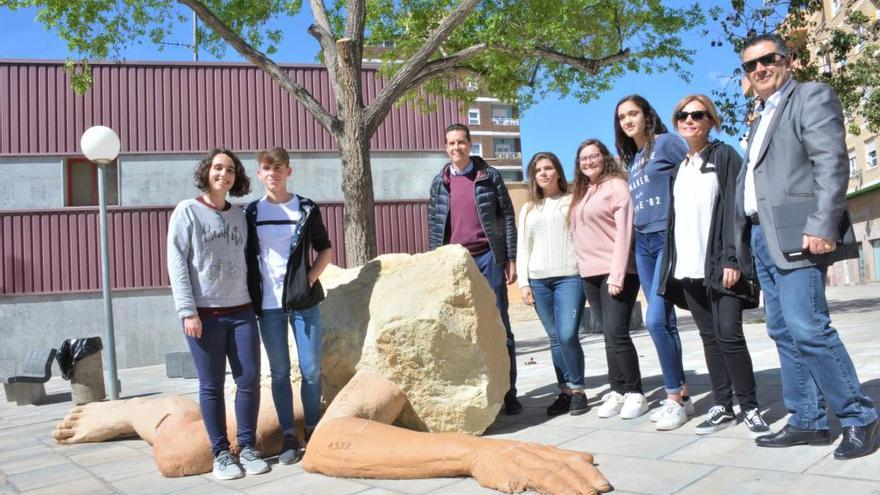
(554, 124)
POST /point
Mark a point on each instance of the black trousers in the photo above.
(615, 313)
(719, 320)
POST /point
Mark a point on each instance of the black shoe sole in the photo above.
(557, 413)
(578, 412)
(814, 443)
(512, 411)
(851, 456)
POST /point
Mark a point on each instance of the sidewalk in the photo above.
(635, 457)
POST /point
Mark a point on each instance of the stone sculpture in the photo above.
(414, 366)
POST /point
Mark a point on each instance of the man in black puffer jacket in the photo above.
(469, 205)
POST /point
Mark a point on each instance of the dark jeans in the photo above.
(719, 320)
(614, 313)
(815, 365)
(235, 337)
(495, 275)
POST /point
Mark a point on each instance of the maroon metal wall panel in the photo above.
(188, 107)
(58, 251)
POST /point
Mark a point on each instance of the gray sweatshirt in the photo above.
(206, 257)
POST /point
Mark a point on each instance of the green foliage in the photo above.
(102, 29)
(512, 29)
(847, 57)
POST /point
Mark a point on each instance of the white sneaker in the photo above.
(672, 416)
(634, 405)
(688, 409)
(611, 404)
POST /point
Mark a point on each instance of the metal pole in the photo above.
(110, 347)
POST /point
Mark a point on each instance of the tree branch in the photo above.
(402, 80)
(354, 24)
(589, 65)
(319, 11)
(257, 58)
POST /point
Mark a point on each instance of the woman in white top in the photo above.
(701, 255)
(545, 253)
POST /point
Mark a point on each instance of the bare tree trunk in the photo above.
(357, 188)
(359, 221)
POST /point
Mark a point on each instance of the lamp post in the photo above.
(101, 146)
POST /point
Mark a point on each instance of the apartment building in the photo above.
(495, 136)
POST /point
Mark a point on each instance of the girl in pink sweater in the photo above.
(601, 223)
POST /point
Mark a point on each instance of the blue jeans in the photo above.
(660, 314)
(815, 366)
(559, 302)
(308, 331)
(232, 336)
(494, 273)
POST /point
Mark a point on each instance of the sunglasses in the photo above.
(766, 61)
(696, 115)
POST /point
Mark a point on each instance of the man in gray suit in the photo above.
(791, 212)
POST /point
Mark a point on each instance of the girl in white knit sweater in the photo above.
(549, 277)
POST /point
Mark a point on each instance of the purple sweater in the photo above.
(464, 221)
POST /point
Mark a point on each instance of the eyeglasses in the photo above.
(766, 61)
(595, 157)
(697, 115)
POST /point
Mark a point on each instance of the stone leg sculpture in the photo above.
(415, 366)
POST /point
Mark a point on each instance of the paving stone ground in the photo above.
(634, 456)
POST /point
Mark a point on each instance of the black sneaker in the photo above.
(717, 419)
(511, 405)
(289, 450)
(561, 405)
(578, 404)
(755, 422)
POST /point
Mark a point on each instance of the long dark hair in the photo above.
(626, 146)
(612, 168)
(242, 184)
(536, 194)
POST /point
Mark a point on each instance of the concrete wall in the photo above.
(146, 326)
(166, 179)
(31, 182)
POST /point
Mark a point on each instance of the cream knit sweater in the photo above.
(544, 245)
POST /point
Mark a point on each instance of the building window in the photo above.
(81, 183)
(477, 149)
(510, 175)
(853, 166)
(871, 152)
(474, 116)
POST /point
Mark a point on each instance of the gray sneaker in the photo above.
(225, 467)
(289, 450)
(251, 461)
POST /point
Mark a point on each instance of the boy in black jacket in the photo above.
(283, 228)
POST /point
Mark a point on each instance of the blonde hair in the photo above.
(707, 104)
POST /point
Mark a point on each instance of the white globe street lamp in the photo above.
(101, 146)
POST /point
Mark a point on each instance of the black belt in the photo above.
(754, 219)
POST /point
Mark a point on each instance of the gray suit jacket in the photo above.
(803, 159)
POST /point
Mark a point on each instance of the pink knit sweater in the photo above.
(603, 232)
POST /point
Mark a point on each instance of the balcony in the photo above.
(505, 121)
(508, 155)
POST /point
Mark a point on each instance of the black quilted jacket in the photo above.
(493, 206)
